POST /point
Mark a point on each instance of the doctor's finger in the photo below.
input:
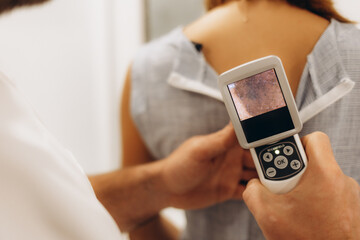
(248, 162)
(247, 175)
(318, 150)
(238, 194)
(218, 142)
(254, 196)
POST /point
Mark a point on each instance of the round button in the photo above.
(271, 172)
(295, 164)
(288, 150)
(281, 162)
(267, 157)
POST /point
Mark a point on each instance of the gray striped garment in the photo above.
(166, 115)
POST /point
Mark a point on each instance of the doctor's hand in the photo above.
(207, 169)
(324, 205)
(203, 171)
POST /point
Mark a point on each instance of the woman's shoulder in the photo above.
(347, 37)
(348, 44)
(157, 59)
(161, 50)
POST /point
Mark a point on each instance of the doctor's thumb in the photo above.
(255, 196)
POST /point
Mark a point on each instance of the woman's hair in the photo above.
(323, 8)
(7, 5)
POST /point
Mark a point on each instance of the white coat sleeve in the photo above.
(44, 194)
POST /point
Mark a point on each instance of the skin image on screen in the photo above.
(257, 94)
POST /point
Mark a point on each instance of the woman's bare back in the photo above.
(241, 31)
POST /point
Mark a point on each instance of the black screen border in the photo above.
(279, 115)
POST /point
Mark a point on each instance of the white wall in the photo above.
(349, 8)
(164, 15)
(65, 57)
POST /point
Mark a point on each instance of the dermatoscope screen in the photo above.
(261, 106)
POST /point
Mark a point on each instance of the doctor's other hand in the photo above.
(324, 205)
(208, 169)
(203, 171)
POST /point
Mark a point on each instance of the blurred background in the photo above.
(69, 58)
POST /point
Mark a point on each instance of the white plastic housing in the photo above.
(281, 186)
(250, 69)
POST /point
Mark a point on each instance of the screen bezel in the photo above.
(249, 69)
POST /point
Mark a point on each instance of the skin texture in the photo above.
(324, 205)
(203, 171)
(256, 95)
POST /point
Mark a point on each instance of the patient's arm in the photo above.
(133, 148)
(135, 153)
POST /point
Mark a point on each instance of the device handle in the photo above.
(281, 186)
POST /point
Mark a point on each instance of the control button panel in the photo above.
(295, 164)
(288, 150)
(280, 160)
(271, 172)
(268, 157)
